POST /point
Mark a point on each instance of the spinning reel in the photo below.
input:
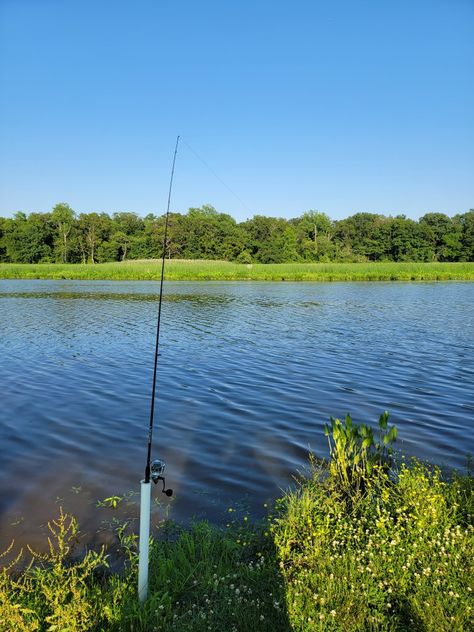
(157, 469)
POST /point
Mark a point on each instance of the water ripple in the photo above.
(248, 375)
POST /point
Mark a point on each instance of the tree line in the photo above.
(203, 233)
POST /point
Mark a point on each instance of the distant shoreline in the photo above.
(205, 270)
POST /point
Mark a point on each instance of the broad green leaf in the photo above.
(383, 420)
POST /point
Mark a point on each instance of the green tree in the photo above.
(466, 222)
(364, 234)
(270, 239)
(127, 233)
(314, 236)
(148, 243)
(409, 241)
(63, 217)
(128, 223)
(29, 239)
(3, 246)
(207, 234)
(95, 228)
(444, 236)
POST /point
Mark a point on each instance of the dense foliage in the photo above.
(361, 544)
(203, 233)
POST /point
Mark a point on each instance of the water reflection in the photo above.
(117, 296)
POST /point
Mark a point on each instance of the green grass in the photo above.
(392, 554)
(181, 270)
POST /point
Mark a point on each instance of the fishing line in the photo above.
(157, 340)
(148, 466)
(215, 175)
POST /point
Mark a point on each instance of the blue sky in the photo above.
(341, 106)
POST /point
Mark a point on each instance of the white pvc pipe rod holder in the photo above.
(144, 541)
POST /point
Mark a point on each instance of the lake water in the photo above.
(248, 375)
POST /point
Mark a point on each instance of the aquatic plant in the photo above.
(356, 455)
(112, 502)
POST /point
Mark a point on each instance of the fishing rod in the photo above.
(153, 469)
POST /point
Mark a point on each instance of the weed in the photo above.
(112, 502)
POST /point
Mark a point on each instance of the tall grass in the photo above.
(198, 270)
(394, 553)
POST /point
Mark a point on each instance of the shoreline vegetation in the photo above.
(210, 270)
(65, 236)
(365, 542)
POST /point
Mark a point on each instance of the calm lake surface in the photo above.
(248, 375)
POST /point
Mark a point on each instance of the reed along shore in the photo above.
(205, 270)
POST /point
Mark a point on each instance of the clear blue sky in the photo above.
(341, 105)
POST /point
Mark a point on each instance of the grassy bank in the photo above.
(180, 270)
(359, 545)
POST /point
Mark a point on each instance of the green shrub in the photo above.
(244, 257)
